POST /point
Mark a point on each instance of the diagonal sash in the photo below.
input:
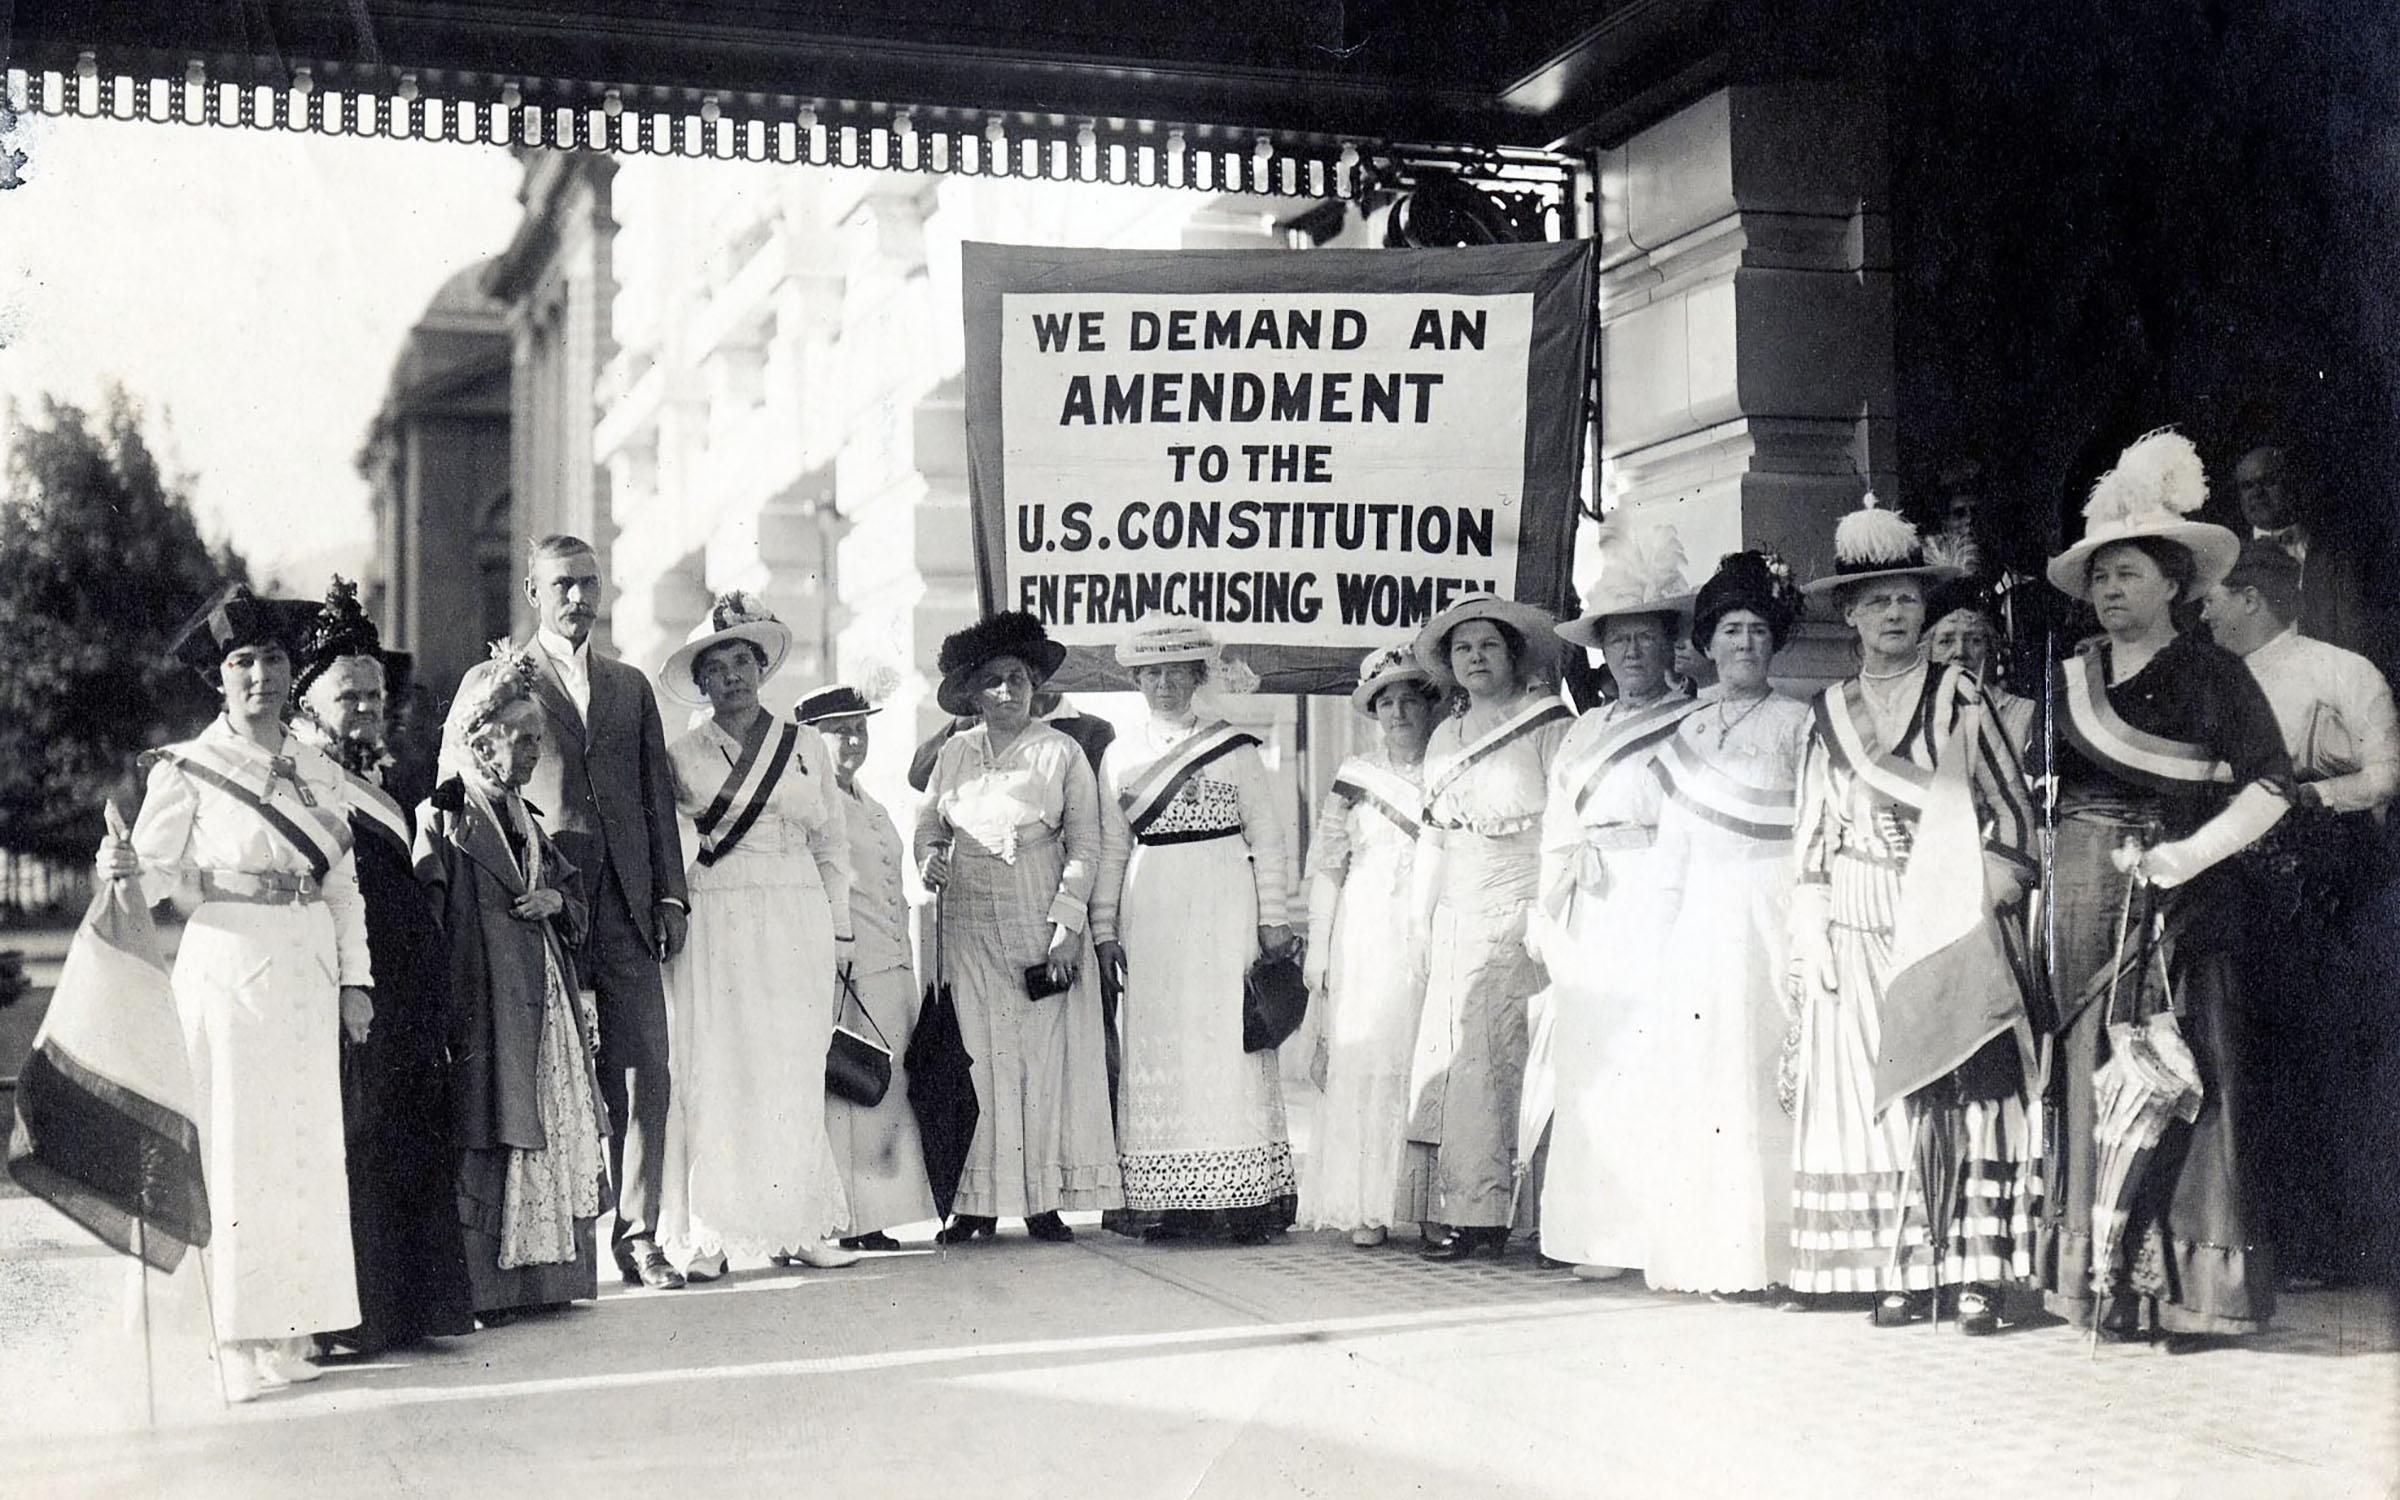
(1396, 797)
(307, 843)
(1151, 791)
(1630, 737)
(1518, 725)
(761, 787)
(1707, 791)
(380, 810)
(2094, 727)
(714, 813)
(1840, 713)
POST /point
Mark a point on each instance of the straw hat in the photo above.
(1871, 543)
(839, 701)
(1160, 639)
(1641, 573)
(1384, 667)
(734, 617)
(2152, 492)
(1538, 628)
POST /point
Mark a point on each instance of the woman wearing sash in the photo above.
(1721, 1214)
(1487, 770)
(1358, 886)
(1598, 918)
(2168, 761)
(1900, 1196)
(248, 832)
(750, 1169)
(527, 1119)
(1189, 816)
(1009, 835)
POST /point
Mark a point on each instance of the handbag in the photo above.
(858, 1068)
(1274, 999)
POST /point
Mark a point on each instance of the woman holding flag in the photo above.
(1598, 918)
(1487, 770)
(247, 830)
(1358, 884)
(2168, 762)
(1911, 1167)
(1188, 815)
(750, 1168)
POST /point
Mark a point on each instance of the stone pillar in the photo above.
(1746, 323)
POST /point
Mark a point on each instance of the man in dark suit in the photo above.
(2333, 596)
(608, 799)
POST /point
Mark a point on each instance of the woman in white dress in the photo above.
(1188, 814)
(1721, 1215)
(1360, 868)
(1598, 923)
(882, 1157)
(749, 1168)
(1487, 774)
(247, 831)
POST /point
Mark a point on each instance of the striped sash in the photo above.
(1515, 727)
(1149, 793)
(1841, 713)
(1394, 796)
(1644, 729)
(2094, 727)
(379, 809)
(750, 784)
(1707, 791)
(319, 841)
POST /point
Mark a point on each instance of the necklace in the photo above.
(1727, 722)
(1888, 676)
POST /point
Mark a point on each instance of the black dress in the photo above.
(412, 1272)
(2194, 1249)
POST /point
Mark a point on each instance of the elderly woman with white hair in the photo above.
(1188, 814)
(1360, 867)
(526, 1114)
(1487, 774)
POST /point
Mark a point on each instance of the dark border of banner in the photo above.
(1557, 395)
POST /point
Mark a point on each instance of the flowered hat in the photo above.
(339, 628)
(1872, 542)
(2153, 490)
(1760, 582)
(1386, 666)
(734, 617)
(1641, 573)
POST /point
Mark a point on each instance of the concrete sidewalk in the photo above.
(1306, 1368)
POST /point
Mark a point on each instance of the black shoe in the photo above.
(1978, 1310)
(1458, 1244)
(872, 1240)
(1899, 1309)
(2120, 1319)
(498, 1317)
(651, 1268)
(1049, 1228)
(965, 1227)
(1784, 1299)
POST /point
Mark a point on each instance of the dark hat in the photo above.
(236, 618)
(339, 628)
(840, 701)
(1760, 582)
(1014, 633)
(1962, 593)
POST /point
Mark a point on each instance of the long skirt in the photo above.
(2190, 1248)
(882, 1159)
(1595, 1195)
(258, 993)
(1043, 1141)
(749, 1168)
(412, 1272)
(1722, 1212)
(1200, 1122)
(1469, 1066)
(1862, 1181)
(1372, 1002)
(527, 1215)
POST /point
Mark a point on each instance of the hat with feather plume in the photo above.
(1876, 542)
(2152, 492)
(966, 652)
(1641, 573)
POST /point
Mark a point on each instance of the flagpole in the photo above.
(141, 1269)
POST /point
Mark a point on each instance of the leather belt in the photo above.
(260, 888)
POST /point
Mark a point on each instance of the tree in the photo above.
(100, 561)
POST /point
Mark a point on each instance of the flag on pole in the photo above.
(104, 1129)
(1952, 988)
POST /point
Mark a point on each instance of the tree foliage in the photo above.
(100, 561)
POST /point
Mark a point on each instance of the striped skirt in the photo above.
(1938, 1189)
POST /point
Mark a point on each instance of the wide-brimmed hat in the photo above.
(1158, 640)
(734, 617)
(1536, 626)
(1872, 542)
(234, 617)
(839, 701)
(966, 652)
(1387, 666)
(2156, 485)
(1641, 573)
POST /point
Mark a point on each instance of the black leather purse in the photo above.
(857, 1067)
(1274, 1000)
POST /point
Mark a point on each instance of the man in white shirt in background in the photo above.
(2315, 971)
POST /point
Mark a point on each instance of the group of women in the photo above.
(1804, 1037)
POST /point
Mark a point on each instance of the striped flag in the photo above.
(1952, 988)
(104, 1129)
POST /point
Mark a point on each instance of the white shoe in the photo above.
(1598, 1273)
(826, 1256)
(1367, 1238)
(237, 1373)
(289, 1359)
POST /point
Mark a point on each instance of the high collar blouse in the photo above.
(801, 820)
